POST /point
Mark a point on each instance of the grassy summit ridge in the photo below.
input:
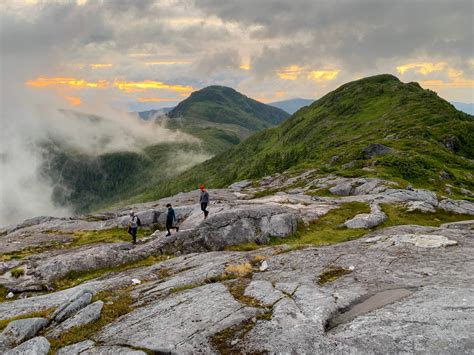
(432, 143)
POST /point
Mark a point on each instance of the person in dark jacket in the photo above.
(171, 219)
(133, 226)
(204, 200)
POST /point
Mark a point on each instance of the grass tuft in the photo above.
(17, 272)
(332, 275)
(239, 270)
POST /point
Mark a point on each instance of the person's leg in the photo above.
(203, 208)
(168, 227)
(134, 235)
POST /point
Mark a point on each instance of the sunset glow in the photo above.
(73, 100)
(63, 81)
(321, 75)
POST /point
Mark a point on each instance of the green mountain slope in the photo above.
(222, 108)
(220, 117)
(431, 142)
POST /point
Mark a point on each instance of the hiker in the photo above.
(170, 218)
(133, 226)
(204, 200)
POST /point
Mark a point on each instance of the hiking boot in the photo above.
(177, 229)
(168, 234)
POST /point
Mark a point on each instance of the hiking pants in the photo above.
(133, 233)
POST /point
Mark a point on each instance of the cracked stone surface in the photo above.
(180, 323)
(77, 348)
(35, 346)
(367, 220)
(264, 292)
(86, 315)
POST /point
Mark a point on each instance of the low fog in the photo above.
(29, 119)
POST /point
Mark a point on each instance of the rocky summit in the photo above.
(291, 263)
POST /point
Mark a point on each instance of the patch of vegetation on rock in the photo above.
(17, 272)
(332, 275)
(327, 230)
(74, 278)
(239, 270)
(116, 304)
(398, 215)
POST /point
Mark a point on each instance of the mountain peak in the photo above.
(223, 105)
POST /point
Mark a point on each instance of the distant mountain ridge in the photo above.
(147, 115)
(292, 105)
(465, 107)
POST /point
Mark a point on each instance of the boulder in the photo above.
(464, 225)
(342, 189)
(240, 185)
(35, 346)
(86, 315)
(367, 220)
(74, 304)
(420, 206)
(349, 165)
(77, 348)
(18, 331)
(457, 206)
(375, 150)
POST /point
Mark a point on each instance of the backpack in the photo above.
(139, 223)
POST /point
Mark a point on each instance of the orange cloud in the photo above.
(140, 86)
(61, 81)
(156, 99)
(422, 68)
(291, 72)
(454, 84)
(73, 100)
(127, 86)
(100, 66)
(294, 72)
(245, 66)
(167, 62)
(323, 75)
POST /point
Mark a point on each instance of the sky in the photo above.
(142, 54)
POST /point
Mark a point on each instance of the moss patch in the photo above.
(74, 278)
(332, 275)
(398, 214)
(80, 238)
(116, 304)
(237, 290)
(17, 272)
(222, 341)
(113, 235)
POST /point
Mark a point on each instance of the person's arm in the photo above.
(174, 216)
